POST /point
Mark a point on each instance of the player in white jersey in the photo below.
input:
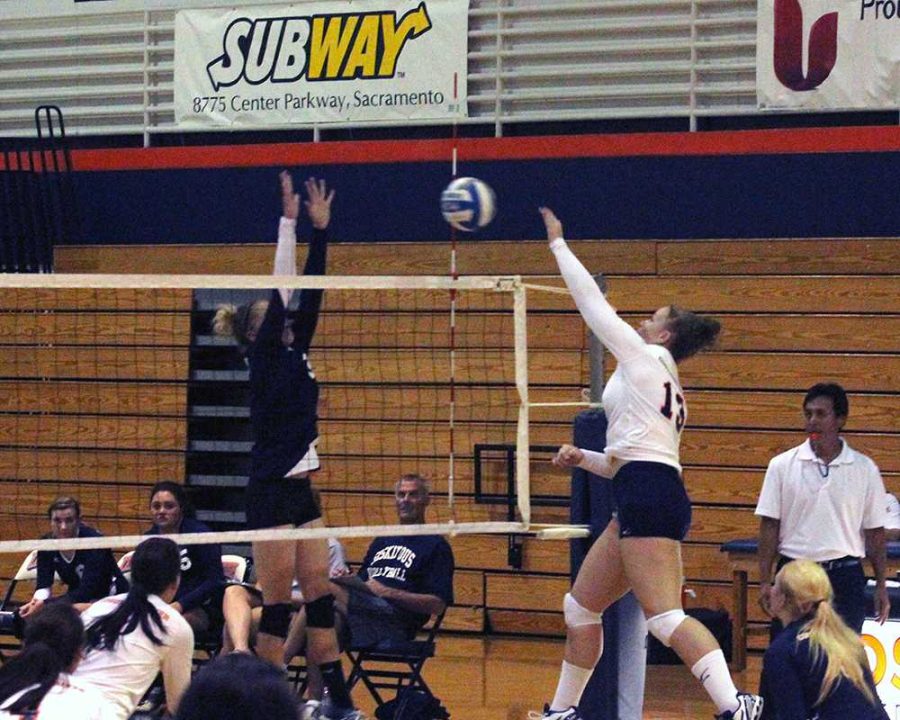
(36, 682)
(640, 549)
(131, 638)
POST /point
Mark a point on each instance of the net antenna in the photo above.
(98, 368)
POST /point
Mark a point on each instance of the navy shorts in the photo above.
(373, 620)
(280, 501)
(651, 501)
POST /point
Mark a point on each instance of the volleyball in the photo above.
(468, 204)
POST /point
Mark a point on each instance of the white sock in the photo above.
(572, 682)
(712, 672)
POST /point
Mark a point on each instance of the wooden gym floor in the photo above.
(502, 679)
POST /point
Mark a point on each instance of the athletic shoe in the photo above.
(330, 711)
(310, 710)
(548, 714)
(152, 702)
(750, 707)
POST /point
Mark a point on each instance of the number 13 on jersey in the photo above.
(666, 408)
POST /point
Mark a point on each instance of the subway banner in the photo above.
(321, 62)
(828, 54)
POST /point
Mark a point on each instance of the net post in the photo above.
(523, 484)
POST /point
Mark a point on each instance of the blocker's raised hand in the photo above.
(290, 201)
(319, 203)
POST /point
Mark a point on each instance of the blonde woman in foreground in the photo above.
(816, 669)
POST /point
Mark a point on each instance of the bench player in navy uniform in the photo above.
(88, 574)
(199, 596)
(817, 668)
(284, 399)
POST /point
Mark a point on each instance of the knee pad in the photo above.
(576, 614)
(275, 619)
(320, 612)
(662, 626)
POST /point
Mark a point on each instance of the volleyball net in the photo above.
(112, 383)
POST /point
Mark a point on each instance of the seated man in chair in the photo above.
(402, 582)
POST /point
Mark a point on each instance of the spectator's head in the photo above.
(802, 590)
(59, 627)
(800, 587)
(169, 506)
(412, 497)
(65, 516)
(52, 644)
(825, 408)
(156, 568)
(238, 687)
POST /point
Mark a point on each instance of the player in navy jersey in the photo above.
(284, 397)
(88, 574)
(817, 668)
(640, 549)
(199, 596)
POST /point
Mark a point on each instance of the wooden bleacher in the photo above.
(794, 312)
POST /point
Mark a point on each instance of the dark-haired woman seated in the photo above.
(36, 682)
(132, 638)
(199, 596)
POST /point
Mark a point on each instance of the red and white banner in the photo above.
(322, 62)
(828, 54)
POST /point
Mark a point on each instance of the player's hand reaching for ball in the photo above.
(290, 201)
(552, 223)
(568, 456)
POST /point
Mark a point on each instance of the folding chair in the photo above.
(125, 564)
(27, 572)
(394, 665)
(235, 568)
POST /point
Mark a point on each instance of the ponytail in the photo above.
(830, 637)
(51, 646)
(136, 609)
(808, 590)
(234, 321)
(691, 333)
(155, 566)
(224, 320)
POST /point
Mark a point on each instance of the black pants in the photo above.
(849, 586)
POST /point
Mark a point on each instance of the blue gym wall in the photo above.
(755, 184)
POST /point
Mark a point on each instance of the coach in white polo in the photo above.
(824, 501)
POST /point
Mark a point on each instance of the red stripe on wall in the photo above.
(752, 142)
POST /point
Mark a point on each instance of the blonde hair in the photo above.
(807, 588)
(234, 320)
